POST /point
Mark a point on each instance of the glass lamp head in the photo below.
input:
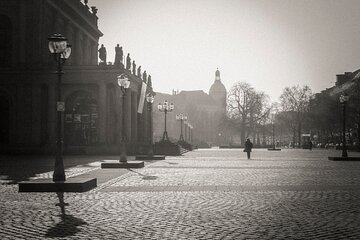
(150, 98)
(57, 43)
(344, 98)
(67, 52)
(123, 81)
(171, 106)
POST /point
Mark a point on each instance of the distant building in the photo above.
(328, 100)
(344, 83)
(205, 112)
(91, 94)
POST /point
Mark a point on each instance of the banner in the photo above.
(142, 97)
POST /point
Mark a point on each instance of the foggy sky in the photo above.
(267, 43)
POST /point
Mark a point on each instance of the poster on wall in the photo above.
(94, 117)
(68, 118)
(85, 118)
(77, 118)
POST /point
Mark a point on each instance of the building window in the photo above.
(81, 119)
(5, 41)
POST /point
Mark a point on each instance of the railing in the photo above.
(84, 9)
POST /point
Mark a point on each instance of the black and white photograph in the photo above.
(179, 119)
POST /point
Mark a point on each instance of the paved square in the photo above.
(206, 194)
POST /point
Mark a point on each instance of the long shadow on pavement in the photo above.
(68, 226)
(17, 168)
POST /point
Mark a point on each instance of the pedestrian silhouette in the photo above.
(248, 147)
(310, 145)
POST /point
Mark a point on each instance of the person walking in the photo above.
(248, 147)
(310, 145)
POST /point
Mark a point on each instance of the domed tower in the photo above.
(218, 91)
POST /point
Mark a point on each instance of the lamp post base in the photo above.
(344, 158)
(274, 149)
(132, 164)
(75, 184)
(148, 157)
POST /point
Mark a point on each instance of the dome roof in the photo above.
(217, 87)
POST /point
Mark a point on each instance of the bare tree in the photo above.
(295, 100)
(247, 108)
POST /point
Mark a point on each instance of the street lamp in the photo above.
(150, 100)
(124, 83)
(61, 51)
(343, 100)
(165, 107)
(180, 117)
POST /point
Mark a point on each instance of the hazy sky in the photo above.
(268, 43)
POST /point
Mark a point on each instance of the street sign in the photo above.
(60, 106)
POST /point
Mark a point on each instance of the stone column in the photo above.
(102, 112)
(145, 124)
(36, 115)
(78, 48)
(94, 53)
(52, 114)
(85, 50)
(70, 36)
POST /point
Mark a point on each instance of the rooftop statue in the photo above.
(128, 62)
(102, 53)
(134, 68)
(119, 54)
(144, 76)
(139, 71)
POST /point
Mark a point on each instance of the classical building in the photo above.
(205, 112)
(92, 117)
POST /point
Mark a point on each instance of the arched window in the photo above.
(81, 119)
(5, 41)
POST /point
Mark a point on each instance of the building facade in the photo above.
(92, 117)
(205, 113)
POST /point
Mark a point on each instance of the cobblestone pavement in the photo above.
(205, 194)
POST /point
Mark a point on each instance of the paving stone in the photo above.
(206, 194)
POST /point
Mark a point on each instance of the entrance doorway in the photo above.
(81, 119)
(4, 121)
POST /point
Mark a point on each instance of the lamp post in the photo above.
(124, 83)
(150, 100)
(165, 107)
(61, 51)
(180, 117)
(190, 133)
(343, 100)
(185, 126)
(273, 130)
